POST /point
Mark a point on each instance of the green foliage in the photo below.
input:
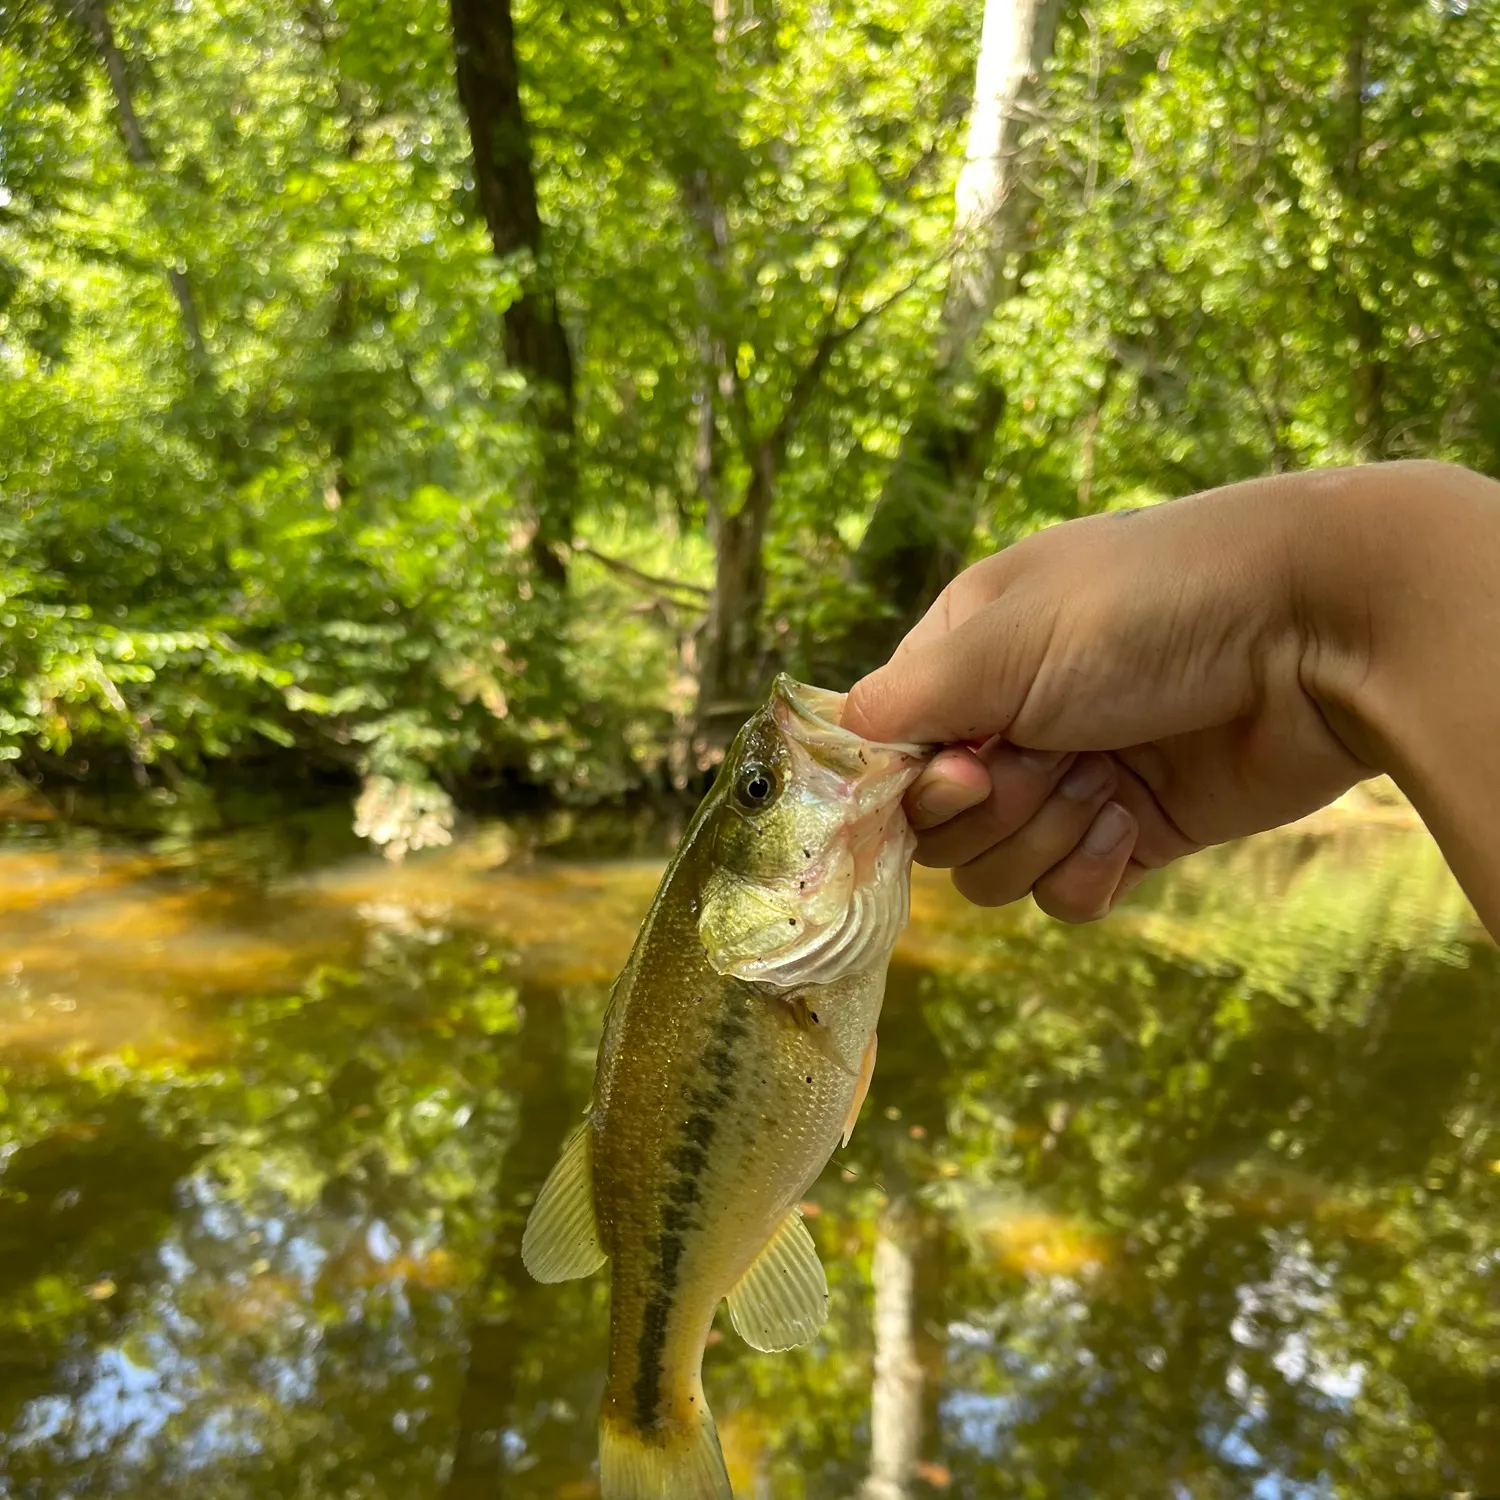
(307, 539)
(266, 479)
(1267, 238)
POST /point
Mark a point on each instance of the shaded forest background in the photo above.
(449, 401)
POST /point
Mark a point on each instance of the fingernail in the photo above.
(1042, 761)
(1107, 830)
(1087, 779)
(946, 799)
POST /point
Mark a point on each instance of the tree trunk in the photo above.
(102, 34)
(920, 531)
(896, 1397)
(536, 342)
(337, 416)
(512, 1313)
(727, 644)
(730, 661)
(1013, 49)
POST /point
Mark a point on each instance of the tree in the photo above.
(96, 17)
(765, 352)
(536, 342)
(921, 529)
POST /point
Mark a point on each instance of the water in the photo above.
(1201, 1202)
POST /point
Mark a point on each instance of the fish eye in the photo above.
(757, 787)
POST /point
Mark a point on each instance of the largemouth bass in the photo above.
(737, 1050)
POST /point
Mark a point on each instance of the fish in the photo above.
(737, 1049)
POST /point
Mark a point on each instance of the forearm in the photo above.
(1401, 592)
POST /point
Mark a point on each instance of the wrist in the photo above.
(1399, 596)
(1346, 561)
(1396, 581)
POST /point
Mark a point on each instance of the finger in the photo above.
(954, 780)
(1020, 781)
(1159, 840)
(971, 590)
(965, 684)
(1081, 887)
(1008, 871)
(1135, 873)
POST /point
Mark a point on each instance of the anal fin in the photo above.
(866, 1073)
(561, 1238)
(782, 1300)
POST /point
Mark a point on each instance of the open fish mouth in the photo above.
(837, 761)
(821, 712)
(844, 909)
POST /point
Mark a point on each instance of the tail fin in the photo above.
(687, 1465)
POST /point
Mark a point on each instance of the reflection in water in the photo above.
(1204, 1202)
(896, 1394)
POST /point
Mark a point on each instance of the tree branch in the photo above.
(101, 32)
(641, 578)
(834, 336)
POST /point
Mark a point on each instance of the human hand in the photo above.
(1122, 690)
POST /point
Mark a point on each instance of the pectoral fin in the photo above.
(561, 1239)
(838, 1018)
(825, 1026)
(782, 1300)
(866, 1073)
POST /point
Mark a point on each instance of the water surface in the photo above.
(1201, 1202)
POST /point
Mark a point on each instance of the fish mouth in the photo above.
(811, 719)
(850, 915)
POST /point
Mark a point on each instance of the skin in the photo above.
(1122, 690)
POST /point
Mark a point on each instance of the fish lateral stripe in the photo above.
(677, 1216)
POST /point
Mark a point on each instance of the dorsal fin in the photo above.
(782, 1300)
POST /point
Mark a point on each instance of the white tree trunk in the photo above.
(922, 525)
(896, 1399)
(1014, 45)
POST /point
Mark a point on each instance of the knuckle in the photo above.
(940, 857)
(1000, 822)
(864, 700)
(952, 843)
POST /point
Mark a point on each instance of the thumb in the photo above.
(966, 684)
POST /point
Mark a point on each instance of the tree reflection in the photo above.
(1204, 1202)
(514, 1340)
(264, 1296)
(896, 1391)
(1274, 1168)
